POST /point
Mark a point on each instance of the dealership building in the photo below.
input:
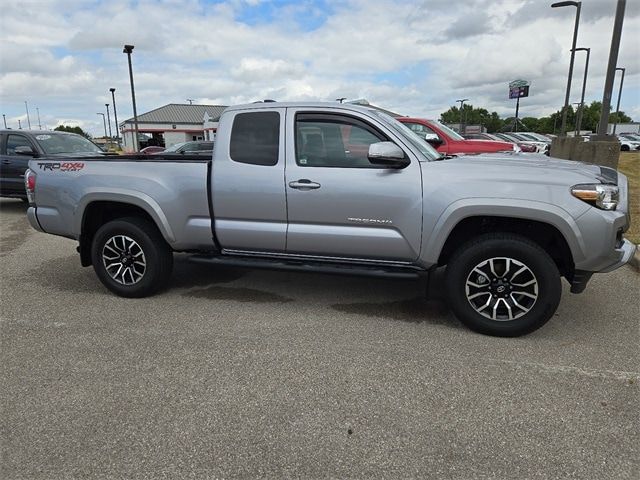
(171, 124)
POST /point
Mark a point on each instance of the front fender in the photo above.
(434, 240)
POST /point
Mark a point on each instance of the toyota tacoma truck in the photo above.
(338, 188)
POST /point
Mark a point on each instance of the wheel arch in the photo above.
(98, 211)
(552, 228)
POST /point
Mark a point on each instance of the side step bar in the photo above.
(408, 272)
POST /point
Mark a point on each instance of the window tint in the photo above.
(14, 141)
(255, 138)
(334, 141)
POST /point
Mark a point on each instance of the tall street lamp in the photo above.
(104, 122)
(108, 121)
(462, 100)
(603, 124)
(115, 114)
(128, 49)
(615, 124)
(578, 5)
(584, 86)
(27, 109)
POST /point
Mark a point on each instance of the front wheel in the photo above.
(503, 284)
(131, 258)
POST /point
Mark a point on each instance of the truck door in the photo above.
(248, 194)
(341, 205)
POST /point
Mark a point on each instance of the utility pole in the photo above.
(611, 68)
(108, 121)
(615, 124)
(584, 86)
(578, 5)
(136, 145)
(115, 114)
(28, 119)
(462, 129)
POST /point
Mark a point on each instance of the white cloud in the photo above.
(411, 57)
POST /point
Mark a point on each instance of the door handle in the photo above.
(304, 184)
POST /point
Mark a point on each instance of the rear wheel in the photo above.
(625, 148)
(503, 284)
(131, 258)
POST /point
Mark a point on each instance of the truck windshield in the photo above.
(414, 139)
(61, 143)
(452, 133)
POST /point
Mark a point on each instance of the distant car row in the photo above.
(629, 141)
(527, 141)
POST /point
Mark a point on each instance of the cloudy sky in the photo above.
(415, 57)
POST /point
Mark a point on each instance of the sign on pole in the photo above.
(518, 89)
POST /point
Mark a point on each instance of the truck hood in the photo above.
(534, 168)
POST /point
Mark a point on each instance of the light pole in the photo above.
(4, 118)
(603, 125)
(578, 5)
(115, 114)
(615, 124)
(28, 119)
(128, 49)
(109, 121)
(462, 130)
(39, 122)
(19, 125)
(105, 124)
(584, 86)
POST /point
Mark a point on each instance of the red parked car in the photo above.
(449, 142)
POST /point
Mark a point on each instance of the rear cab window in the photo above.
(255, 138)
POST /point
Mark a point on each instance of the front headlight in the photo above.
(605, 197)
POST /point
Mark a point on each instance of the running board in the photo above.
(358, 269)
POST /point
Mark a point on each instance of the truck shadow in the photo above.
(430, 308)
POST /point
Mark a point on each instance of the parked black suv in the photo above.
(17, 147)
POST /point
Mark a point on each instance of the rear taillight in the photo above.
(30, 185)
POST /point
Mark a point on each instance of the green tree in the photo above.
(78, 130)
(473, 116)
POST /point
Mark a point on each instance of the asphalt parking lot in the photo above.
(240, 374)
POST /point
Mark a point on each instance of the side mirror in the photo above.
(433, 139)
(387, 154)
(25, 150)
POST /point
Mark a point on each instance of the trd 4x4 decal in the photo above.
(62, 166)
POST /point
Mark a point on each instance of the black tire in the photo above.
(624, 148)
(139, 235)
(510, 311)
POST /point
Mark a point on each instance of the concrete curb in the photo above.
(635, 260)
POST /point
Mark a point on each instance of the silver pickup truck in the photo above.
(344, 189)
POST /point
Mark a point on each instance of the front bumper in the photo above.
(625, 252)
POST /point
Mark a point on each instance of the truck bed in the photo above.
(172, 190)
